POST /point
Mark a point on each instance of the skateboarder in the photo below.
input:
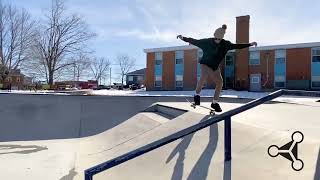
(214, 50)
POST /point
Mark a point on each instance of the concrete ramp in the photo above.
(43, 137)
(57, 137)
(47, 117)
(201, 156)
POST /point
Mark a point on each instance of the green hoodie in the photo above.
(214, 53)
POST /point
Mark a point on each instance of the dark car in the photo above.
(134, 86)
(103, 87)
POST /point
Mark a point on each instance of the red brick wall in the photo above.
(266, 83)
(299, 64)
(150, 71)
(242, 56)
(168, 74)
(190, 69)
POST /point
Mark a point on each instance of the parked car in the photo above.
(103, 87)
(134, 87)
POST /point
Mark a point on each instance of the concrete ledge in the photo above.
(172, 112)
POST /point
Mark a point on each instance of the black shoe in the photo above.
(196, 99)
(216, 107)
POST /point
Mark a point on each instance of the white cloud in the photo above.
(102, 16)
(154, 35)
(272, 21)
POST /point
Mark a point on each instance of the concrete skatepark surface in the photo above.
(57, 137)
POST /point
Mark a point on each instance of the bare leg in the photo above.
(203, 77)
(217, 78)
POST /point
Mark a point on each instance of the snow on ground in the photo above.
(30, 92)
(204, 93)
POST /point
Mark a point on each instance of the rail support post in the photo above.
(227, 139)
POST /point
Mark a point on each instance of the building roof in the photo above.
(138, 72)
(259, 48)
(13, 72)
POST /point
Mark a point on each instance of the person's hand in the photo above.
(179, 37)
(254, 44)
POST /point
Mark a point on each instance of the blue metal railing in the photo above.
(215, 119)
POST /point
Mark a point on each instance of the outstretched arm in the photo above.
(192, 41)
(241, 46)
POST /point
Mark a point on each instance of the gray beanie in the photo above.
(219, 33)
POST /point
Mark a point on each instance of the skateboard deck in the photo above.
(212, 111)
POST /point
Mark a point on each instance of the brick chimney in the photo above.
(242, 56)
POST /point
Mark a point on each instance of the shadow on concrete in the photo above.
(70, 176)
(317, 173)
(200, 169)
(18, 149)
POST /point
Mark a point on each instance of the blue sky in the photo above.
(129, 26)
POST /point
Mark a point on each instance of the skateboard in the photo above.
(212, 111)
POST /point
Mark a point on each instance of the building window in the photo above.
(316, 59)
(280, 68)
(179, 81)
(8, 79)
(316, 55)
(316, 84)
(229, 61)
(158, 55)
(179, 57)
(255, 80)
(158, 58)
(315, 81)
(280, 84)
(315, 68)
(158, 69)
(18, 79)
(130, 78)
(280, 60)
(158, 62)
(179, 84)
(140, 78)
(279, 81)
(158, 81)
(254, 58)
(179, 61)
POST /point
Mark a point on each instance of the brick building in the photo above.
(136, 77)
(291, 66)
(15, 80)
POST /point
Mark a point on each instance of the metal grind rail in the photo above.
(226, 117)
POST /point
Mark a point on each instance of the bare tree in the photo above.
(16, 33)
(99, 68)
(81, 65)
(126, 64)
(59, 38)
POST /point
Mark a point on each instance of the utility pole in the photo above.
(74, 73)
(110, 77)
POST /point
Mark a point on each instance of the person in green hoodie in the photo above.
(214, 51)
